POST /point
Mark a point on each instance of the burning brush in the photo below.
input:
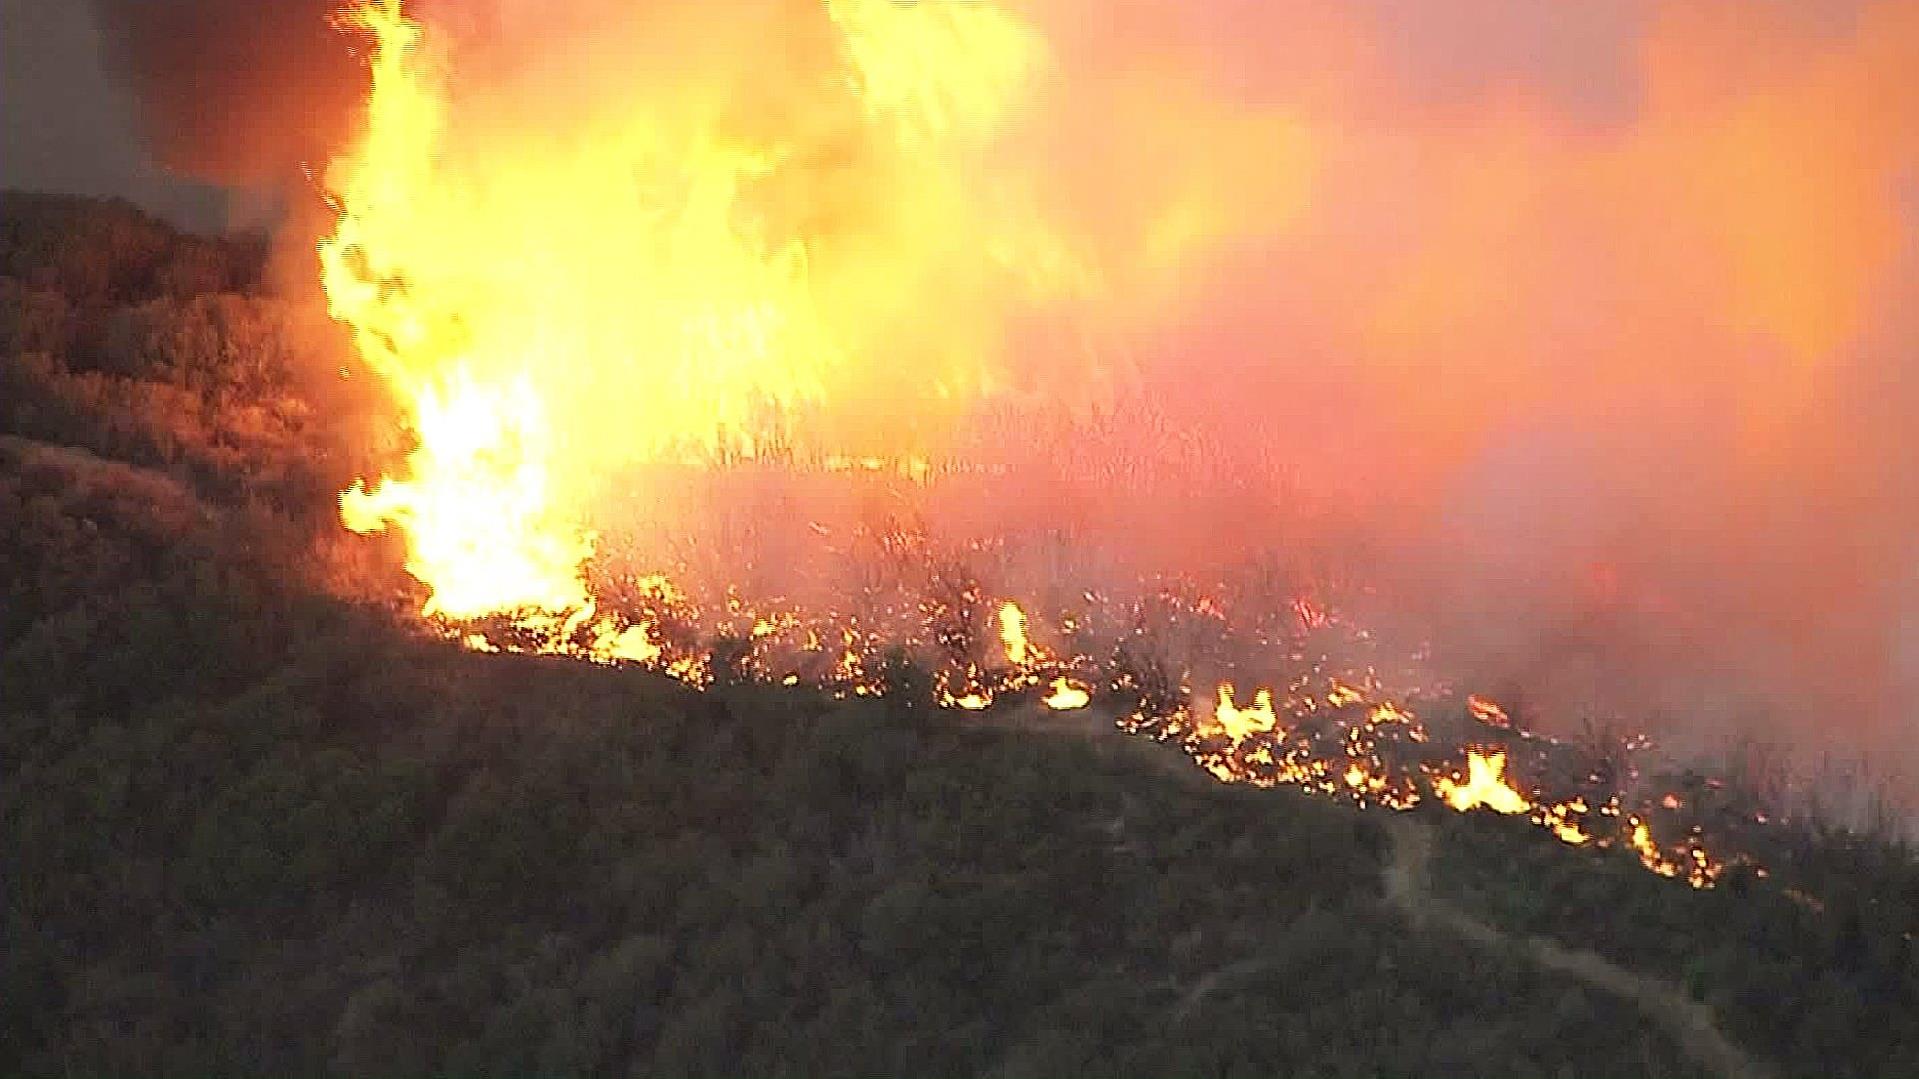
(671, 285)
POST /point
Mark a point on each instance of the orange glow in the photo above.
(478, 507)
(1564, 818)
(713, 259)
(1343, 694)
(838, 236)
(1487, 712)
(1242, 723)
(1649, 853)
(1485, 786)
(1012, 635)
(1067, 696)
(554, 298)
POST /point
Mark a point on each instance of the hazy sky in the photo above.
(70, 125)
(65, 126)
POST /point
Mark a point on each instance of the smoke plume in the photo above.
(231, 90)
(1593, 326)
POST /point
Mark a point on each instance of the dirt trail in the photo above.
(1688, 1022)
(1407, 877)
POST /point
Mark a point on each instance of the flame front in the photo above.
(706, 267)
(478, 508)
(1242, 723)
(484, 529)
(736, 259)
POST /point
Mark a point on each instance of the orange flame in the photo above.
(1487, 712)
(1485, 786)
(1242, 723)
(1067, 696)
(652, 278)
(701, 272)
(1012, 635)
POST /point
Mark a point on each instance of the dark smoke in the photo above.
(238, 91)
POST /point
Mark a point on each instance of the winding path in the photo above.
(1408, 883)
(1687, 1021)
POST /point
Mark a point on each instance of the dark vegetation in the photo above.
(246, 828)
(255, 832)
(1813, 966)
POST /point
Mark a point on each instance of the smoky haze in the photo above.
(233, 91)
(65, 126)
(1592, 326)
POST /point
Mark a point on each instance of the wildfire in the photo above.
(1242, 723)
(559, 297)
(1342, 742)
(478, 510)
(715, 271)
(1012, 634)
(1485, 785)
(1067, 696)
(1488, 712)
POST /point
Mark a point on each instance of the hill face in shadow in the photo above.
(258, 833)
(252, 827)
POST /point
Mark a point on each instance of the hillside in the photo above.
(253, 828)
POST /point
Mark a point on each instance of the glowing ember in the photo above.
(1563, 819)
(1067, 696)
(1487, 712)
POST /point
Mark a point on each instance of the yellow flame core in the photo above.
(1242, 723)
(1067, 696)
(478, 511)
(709, 261)
(1012, 635)
(1485, 785)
